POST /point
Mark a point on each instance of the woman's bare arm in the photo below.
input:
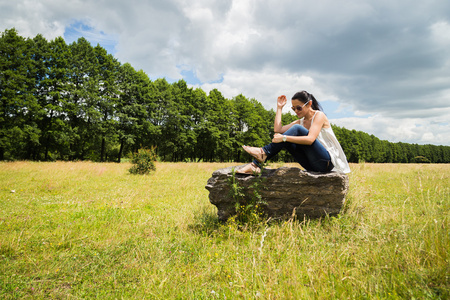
(314, 131)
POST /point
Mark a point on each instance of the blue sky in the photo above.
(78, 28)
(382, 66)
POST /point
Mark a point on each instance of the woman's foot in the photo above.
(257, 153)
(249, 169)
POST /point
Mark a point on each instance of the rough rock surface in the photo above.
(285, 190)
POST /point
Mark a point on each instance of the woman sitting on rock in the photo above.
(310, 139)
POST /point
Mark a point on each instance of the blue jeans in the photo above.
(312, 157)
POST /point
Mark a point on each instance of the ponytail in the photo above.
(304, 97)
(315, 104)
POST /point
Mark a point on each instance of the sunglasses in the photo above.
(299, 107)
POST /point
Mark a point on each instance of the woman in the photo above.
(310, 139)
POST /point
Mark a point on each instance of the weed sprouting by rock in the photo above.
(249, 204)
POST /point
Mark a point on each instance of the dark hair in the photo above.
(304, 97)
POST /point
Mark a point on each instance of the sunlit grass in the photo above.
(91, 230)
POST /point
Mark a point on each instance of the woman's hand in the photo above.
(281, 101)
(277, 138)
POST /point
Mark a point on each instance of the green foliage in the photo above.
(249, 204)
(77, 102)
(143, 161)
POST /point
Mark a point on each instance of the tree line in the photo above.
(74, 101)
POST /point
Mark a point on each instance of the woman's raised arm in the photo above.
(281, 102)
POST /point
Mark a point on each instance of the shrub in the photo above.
(421, 160)
(143, 161)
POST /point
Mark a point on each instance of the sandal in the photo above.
(249, 169)
(257, 153)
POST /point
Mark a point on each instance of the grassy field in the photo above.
(88, 230)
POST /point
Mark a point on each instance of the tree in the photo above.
(180, 125)
(221, 118)
(54, 91)
(37, 73)
(131, 110)
(252, 123)
(214, 130)
(16, 86)
(108, 97)
(82, 114)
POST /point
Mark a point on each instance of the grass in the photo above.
(91, 230)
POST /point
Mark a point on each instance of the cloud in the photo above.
(380, 66)
(29, 18)
(407, 130)
(266, 85)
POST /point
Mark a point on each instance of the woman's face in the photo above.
(300, 108)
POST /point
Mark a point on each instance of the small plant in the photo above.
(249, 204)
(143, 161)
(421, 160)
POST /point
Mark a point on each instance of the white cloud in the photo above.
(441, 33)
(266, 85)
(428, 136)
(408, 130)
(30, 18)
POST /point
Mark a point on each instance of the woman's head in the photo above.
(304, 97)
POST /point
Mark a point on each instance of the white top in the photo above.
(327, 138)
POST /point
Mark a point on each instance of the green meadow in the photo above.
(71, 230)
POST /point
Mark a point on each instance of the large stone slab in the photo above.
(285, 190)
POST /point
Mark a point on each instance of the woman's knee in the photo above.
(297, 130)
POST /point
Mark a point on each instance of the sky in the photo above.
(379, 66)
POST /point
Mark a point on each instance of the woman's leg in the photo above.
(312, 157)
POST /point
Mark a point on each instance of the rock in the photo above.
(284, 190)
